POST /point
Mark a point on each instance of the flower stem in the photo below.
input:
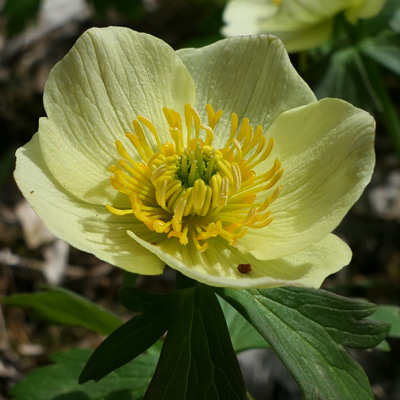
(183, 282)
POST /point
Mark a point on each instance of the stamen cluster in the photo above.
(190, 190)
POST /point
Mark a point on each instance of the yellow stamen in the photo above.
(192, 191)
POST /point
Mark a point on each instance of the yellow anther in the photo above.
(199, 191)
(243, 129)
(274, 180)
(223, 193)
(140, 147)
(168, 149)
(161, 187)
(238, 148)
(266, 153)
(213, 117)
(179, 209)
(237, 177)
(197, 123)
(270, 199)
(151, 128)
(191, 191)
(207, 202)
(215, 185)
(200, 248)
(225, 167)
(189, 202)
(117, 211)
(161, 226)
(209, 135)
(139, 131)
(123, 152)
(188, 120)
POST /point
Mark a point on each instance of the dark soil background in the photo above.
(30, 256)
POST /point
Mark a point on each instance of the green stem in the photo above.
(183, 282)
(129, 279)
(390, 117)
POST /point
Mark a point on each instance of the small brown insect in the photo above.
(244, 268)
(32, 191)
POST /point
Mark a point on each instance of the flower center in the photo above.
(191, 190)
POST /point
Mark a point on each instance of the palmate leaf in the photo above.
(60, 380)
(308, 329)
(197, 360)
(61, 306)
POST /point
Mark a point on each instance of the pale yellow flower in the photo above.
(217, 161)
(300, 24)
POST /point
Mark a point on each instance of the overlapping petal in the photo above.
(244, 17)
(327, 150)
(364, 9)
(218, 266)
(91, 98)
(85, 226)
(251, 76)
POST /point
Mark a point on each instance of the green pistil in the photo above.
(210, 168)
(192, 173)
(184, 168)
(196, 165)
(198, 155)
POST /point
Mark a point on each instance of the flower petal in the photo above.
(86, 227)
(92, 96)
(327, 153)
(365, 9)
(218, 266)
(244, 17)
(307, 37)
(295, 14)
(301, 25)
(249, 75)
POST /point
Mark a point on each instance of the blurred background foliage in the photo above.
(359, 63)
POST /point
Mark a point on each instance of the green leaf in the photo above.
(60, 380)
(129, 278)
(345, 77)
(384, 49)
(197, 360)
(64, 307)
(243, 335)
(308, 329)
(395, 20)
(390, 315)
(135, 336)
